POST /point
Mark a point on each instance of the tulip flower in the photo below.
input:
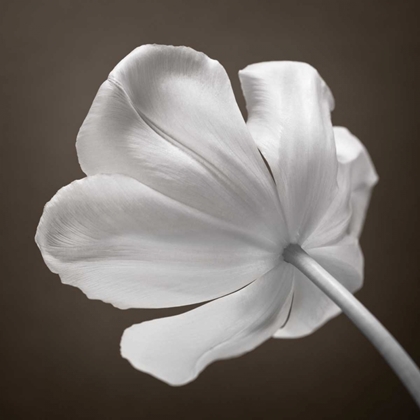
(185, 202)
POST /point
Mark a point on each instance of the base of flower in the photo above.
(385, 343)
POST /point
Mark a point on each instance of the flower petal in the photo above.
(178, 348)
(311, 308)
(334, 224)
(356, 178)
(124, 243)
(167, 116)
(352, 153)
(289, 118)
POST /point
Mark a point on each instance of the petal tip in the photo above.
(307, 72)
(128, 347)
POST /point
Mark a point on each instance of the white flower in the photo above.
(179, 207)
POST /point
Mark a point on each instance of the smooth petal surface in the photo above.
(352, 154)
(311, 308)
(177, 349)
(289, 118)
(334, 225)
(127, 244)
(167, 116)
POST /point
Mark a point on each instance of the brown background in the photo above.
(60, 351)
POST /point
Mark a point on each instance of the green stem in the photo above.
(393, 353)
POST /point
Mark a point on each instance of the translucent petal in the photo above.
(334, 225)
(289, 118)
(352, 154)
(127, 244)
(167, 116)
(178, 348)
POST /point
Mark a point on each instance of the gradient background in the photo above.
(60, 351)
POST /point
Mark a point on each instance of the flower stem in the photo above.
(393, 353)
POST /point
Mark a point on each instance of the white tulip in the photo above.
(179, 207)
